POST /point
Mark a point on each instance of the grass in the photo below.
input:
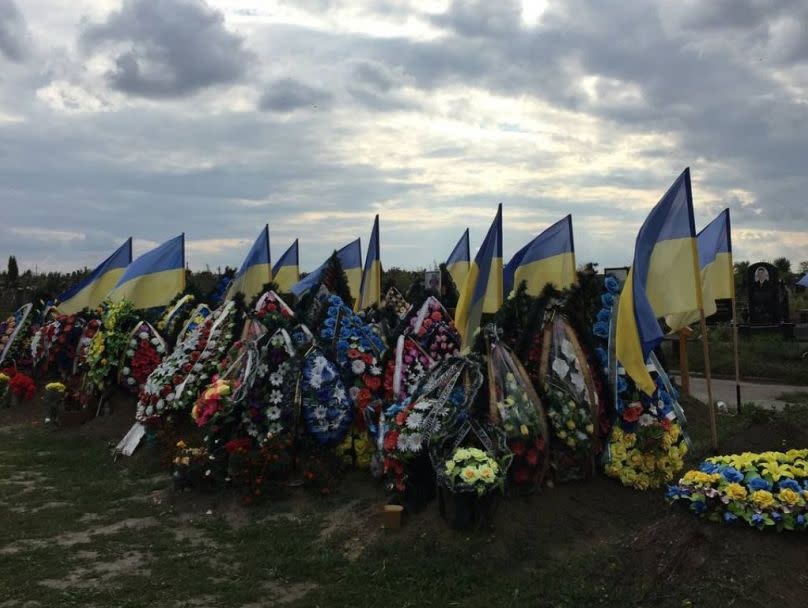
(795, 397)
(768, 357)
(62, 542)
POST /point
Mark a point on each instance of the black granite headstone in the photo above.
(764, 294)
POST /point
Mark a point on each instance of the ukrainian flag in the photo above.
(155, 277)
(371, 292)
(459, 261)
(255, 271)
(717, 273)
(286, 271)
(91, 291)
(549, 258)
(664, 279)
(350, 257)
(483, 284)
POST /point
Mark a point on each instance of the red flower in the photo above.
(436, 316)
(372, 382)
(401, 418)
(354, 354)
(367, 358)
(521, 475)
(363, 397)
(532, 456)
(518, 447)
(666, 424)
(241, 445)
(391, 441)
(632, 413)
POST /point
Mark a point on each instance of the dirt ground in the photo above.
(621, 546)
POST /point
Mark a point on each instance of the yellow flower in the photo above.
(524, 430)
(618, 452)
(570, 424)
(461, 454)
(775, 470)
(789, 497)
(617, 433)
(736, 491)
(649, 463)
(486, 473)
(450, 467)
(627, 476)
(3, 378)
(642, 482)
(181, 444)
(635, 459)
(570, 442)
(590, 428)
(800, 468)
(629, 439)
(56, 387)
(700, 478)
(562, 434)
(762, 499)
(469, 474)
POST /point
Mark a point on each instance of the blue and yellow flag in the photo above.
(717, 272)
(459, 261)
(549, 258)
(483, 283)
(803, 282)
(91, 291)
(371, 291)
(350, 257)
(155, 277)
(255, 271)
(664, 279)
(286, 271)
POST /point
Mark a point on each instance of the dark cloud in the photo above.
(288, 95)
(377, 88)
(481, 17)
(172, 48)
(14, 36)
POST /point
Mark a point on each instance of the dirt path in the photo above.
(761, 394)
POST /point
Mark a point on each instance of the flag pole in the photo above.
(737, 360)
(710, 403)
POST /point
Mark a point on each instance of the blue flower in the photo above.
(335, 300)
(673, 491)
(601, 329)
(732, 475)
(607, 300)
(699, 506)
(789, 484)
(603, 356)
(800, 520)
(729, 517)
(622, 384)
(612, 284)
(330, 322)
(757, 519)
(604, 315)
(758, 483)
(327, 333)
(708, 467)
(777, 516)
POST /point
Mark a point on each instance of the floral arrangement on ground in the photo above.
(763, 490)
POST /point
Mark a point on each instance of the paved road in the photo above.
(761, 394)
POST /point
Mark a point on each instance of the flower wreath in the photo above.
(195, 319)
(174, 316)
(766, 490)
(13, 331)
(647, 443)
(272, 311)
(109, 344)
(92, 327)
(144, 353)
(327, 410)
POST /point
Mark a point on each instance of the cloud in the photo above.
(288, 95)
(171, 48)
(14, 35)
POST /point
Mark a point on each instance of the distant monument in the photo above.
(764, 295)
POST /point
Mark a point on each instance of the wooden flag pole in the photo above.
(710, 403)
(684, 370)
(737, 360)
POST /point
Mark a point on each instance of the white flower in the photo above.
(274, 428)
(149, 410)
(339, 393)
(133, 343)
(316, 380)
(143, 335)
(320, 412)
(160, 349)
(358, 366)
(275, 397)
(130, 353)
(414, 420)
(375, 370)
(155, 341)
(160, 404)
(273, 412)
(646, 420)
(403, 443)
(276, 378)
(170, 397)
(560, 367)
(130, 380)
(125, 371)
(353, 392)
(414, 440)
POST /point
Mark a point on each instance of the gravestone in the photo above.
(764, 295)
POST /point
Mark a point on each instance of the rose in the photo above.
(735, 491)
(763, 499)
(789, 497)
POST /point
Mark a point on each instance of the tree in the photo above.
(741, 270)
(783, 266)
(13, 270)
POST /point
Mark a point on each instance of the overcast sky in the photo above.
(149, 118)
